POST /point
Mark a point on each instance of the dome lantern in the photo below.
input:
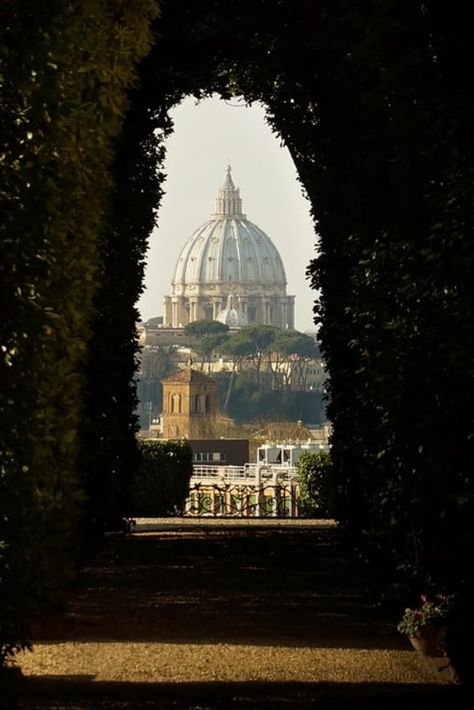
(228, 201)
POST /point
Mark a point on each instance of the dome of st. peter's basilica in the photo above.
(229, 260)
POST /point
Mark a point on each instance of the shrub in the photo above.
(162, 481)
(315, 475)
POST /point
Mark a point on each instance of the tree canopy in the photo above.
(202, 328)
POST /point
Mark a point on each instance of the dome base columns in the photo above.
(196, 311)
(176, 311)
(229, 256)
(217, 306)
(181, 310)
(290, 313)
(277, 311)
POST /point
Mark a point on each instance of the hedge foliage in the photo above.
(65, 68)
(317, 485)
(396, 272)
(161, 482)
(374, 101)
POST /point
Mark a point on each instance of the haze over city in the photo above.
(209, 135)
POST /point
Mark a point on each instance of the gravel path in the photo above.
(210, 615)
(178, 663)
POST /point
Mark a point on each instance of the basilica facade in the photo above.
(229, 270)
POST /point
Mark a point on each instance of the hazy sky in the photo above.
(207, 137)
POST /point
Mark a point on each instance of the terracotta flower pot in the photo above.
(429, 641)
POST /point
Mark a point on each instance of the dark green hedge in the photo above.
(161, 482)
(396, 270)
(317, 485)
(375, 102)
(65, 68)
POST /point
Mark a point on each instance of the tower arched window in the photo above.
(175, 403)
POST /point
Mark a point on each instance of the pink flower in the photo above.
(424, 598)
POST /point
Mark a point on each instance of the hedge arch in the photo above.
(372, 105)
(375, 104)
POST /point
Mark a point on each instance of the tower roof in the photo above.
(188, 376)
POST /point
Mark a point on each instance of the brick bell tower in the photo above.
(189, 405)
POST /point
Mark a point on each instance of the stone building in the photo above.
(229, 263)
(189, 405)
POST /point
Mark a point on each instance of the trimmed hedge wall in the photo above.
(162, 479)
(393, 175)
(376, 108)
(65, 69)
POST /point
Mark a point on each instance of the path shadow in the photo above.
(53, 692)
(260, 586)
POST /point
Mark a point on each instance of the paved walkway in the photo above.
(207, 615)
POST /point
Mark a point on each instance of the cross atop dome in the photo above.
(228, 185)
(228, 202)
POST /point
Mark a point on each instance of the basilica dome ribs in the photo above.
(227, 260)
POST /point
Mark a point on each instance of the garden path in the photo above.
(202, 615)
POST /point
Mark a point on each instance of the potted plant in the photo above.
(426, 625)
